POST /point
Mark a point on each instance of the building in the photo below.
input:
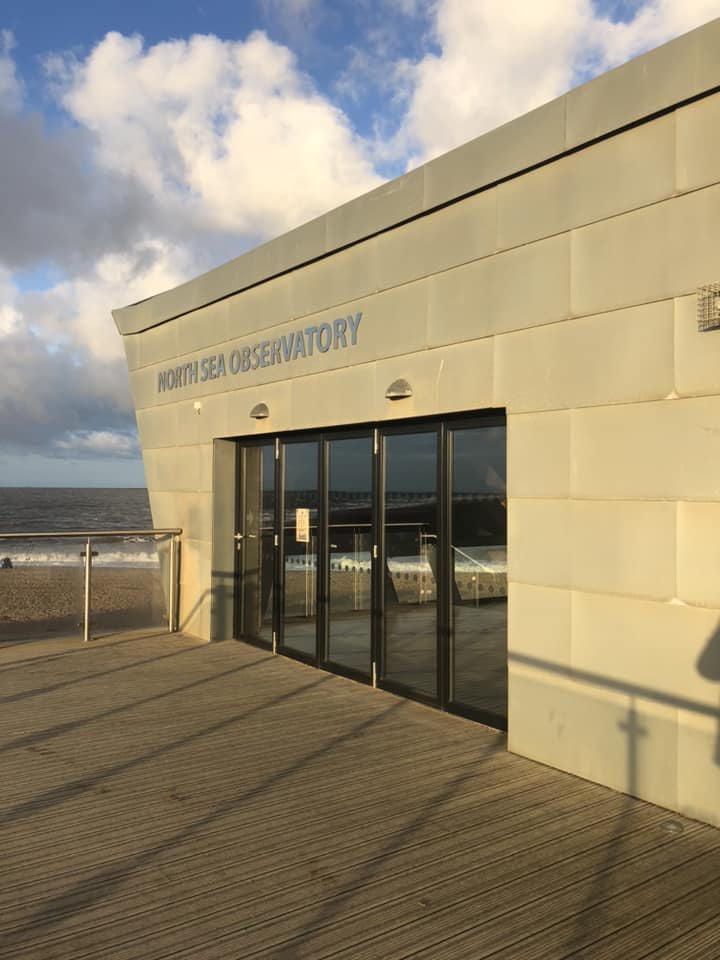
(493, 381)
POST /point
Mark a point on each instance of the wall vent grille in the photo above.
(708, 307)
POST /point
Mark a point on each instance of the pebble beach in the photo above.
(38, 601)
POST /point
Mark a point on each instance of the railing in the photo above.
(166, 560)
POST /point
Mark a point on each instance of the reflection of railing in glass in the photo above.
(114, 579)
(486, 578)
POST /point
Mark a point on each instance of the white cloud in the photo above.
(10, 86)
(184, 153)
(77, 310)
(496, 61)
(226, 135)
(93, 443)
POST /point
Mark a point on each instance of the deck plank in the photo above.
(164, 798)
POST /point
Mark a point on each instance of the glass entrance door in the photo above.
(255, 543)
(349, 561)
(300, 546)
(410, 561)
(478, 566)
(382, 553)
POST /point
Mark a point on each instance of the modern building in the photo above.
(460, 437)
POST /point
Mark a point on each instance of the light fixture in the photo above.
(197, 407)
(260, 411)
(399, 390)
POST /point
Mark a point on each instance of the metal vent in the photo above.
(708, 307)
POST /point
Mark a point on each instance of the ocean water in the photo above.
(63, 509)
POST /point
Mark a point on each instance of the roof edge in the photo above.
(662, 79)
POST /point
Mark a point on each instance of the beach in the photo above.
(45, 600)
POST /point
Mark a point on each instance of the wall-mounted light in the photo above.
(399, 390)
(197, 407)
(260, 411)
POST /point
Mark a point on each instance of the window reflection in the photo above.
(350, 552)
(410, 574)
(479, 570)
(256, 546)
(300, 546)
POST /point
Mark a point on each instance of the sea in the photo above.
(63, 509)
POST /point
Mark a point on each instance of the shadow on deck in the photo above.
(163, 798)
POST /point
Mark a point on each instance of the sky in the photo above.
(143, 142)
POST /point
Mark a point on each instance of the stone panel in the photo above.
(159, 345)
(540, 542)
(514, 290)
(515, 146)
(664, 76)
(389, 204)
(662, 251)
(260, 308)
(538, 452)
(195, 588)
(158, 426)
(466, 376)
(454, 235)
(423, 371)
(339, 397)
(699, 765)
(539, 624)
(623, 547)
(176, 468)
(335, 281)
(601, 733)
(133, 353)
(698, 557)
(698, 141)
(202, 329)
(629, 170)
(620, 547)
(277, 396)
(201, 425)
(615, 357)
(644, 648)
(657, 450)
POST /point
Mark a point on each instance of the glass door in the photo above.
(255, 544)
(349, 561)
(300, 547)
(478, 566)
(409, 560)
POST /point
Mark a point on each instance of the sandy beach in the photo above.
(38, 601)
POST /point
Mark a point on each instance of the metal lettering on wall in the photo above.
(296, 345)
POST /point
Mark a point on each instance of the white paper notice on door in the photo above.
(302, 525)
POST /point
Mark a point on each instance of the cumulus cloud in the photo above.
(181, 155)
(94, 443)
(494, 61)
(10, 86)
(225, 135)
(176, 156)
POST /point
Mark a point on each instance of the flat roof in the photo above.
(678, 72)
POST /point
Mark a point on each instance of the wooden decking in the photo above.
(165, 799)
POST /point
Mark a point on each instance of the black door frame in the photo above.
(444, 426)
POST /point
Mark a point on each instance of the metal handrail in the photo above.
(88, 536)
(91, 533)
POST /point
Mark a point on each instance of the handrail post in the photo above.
(88, 589)
(171, 586)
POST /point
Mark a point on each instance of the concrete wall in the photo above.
(566, 295)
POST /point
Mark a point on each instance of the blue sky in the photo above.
(144, 142)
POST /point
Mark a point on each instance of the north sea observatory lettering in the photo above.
(296, 345)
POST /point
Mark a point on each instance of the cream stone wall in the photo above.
(566, 296)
